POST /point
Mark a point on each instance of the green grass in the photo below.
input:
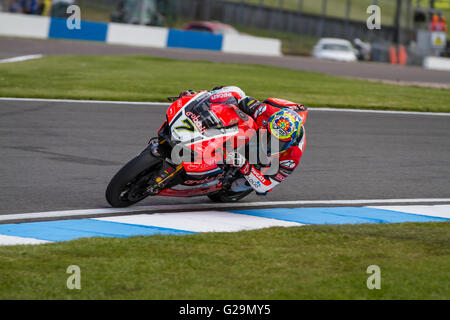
(144, 78)
(310, 262)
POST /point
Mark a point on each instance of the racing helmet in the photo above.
(286, 127)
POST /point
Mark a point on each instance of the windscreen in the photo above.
(200, 113)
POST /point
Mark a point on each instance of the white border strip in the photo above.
(441, 211)
(22, 58)
(424, 113)
(211, 206)
(202, 221)
(12, 240)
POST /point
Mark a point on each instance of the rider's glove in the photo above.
(237, 160)
(298, 108)
(217, 88)
(249, 105)
(187, 93)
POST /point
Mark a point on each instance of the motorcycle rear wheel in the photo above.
(125, 180)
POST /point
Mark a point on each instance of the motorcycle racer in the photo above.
(220, 136)
(283, 121)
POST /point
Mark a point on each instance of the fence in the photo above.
(256, 15)
(35, 26)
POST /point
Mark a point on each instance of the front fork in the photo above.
(163, 178)
(226, 182)
(170, 170)
(167, 173)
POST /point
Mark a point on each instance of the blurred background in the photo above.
(406, 34)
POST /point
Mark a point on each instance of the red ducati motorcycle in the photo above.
(199, 127)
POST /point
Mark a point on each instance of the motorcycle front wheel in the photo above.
(127, 187)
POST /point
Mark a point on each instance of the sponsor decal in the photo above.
(200, 167)
(254, 183)
(206, 180)
(245, 169)
(260, 111)
(241, 115)
(221, 96)
(191, 192)
(290, 164)
(197, 122)
(280, 177)
(260, 177)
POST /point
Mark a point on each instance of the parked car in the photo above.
(212, 27)
(334, 49)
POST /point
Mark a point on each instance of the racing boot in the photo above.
(240, 185)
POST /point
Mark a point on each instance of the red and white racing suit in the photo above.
(288, 159)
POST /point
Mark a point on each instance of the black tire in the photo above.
(228, 196)
(142, 164)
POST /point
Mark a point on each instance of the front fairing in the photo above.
(202, 125)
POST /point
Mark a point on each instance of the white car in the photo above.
(334, 49)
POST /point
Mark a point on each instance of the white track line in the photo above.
(167, 104)
(22, 58)
(210, 206)
(383, 111)
(86, 101)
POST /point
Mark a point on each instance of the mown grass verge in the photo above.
(310, 262)
(144, 78)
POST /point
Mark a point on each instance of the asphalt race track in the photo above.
(58, 156)
(61, 155)
(12, 47)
